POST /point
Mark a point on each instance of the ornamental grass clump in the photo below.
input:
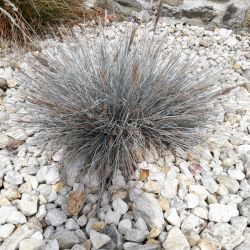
(106, 104)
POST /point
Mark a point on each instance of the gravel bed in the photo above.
(172, 203)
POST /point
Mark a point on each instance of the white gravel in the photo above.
(180, 205)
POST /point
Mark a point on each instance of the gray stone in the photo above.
(147, 207)
(55, 217)
(78, 247)
(112, 217)
(135, 235)
(136, 246)
(82, 220)
(114, 234)
(71, 224)
(48, 231)
(244, 209)
(124, 225)
(245, 245)
(3, 83)
(80, 234)
(130, 245)
(65, 238)
(98, 240)
(141, 225)
(173, 2)
(231, 184)
(246, 158)
(51, 245)
(239, 223)
(120, 206)
(89, 224)
(247, 20)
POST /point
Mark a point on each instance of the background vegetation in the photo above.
(20, 19)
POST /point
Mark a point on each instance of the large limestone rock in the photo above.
(228, 13)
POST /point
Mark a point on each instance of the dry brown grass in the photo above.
(22, 19)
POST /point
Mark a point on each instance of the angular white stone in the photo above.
(210, 184)
(37, 235)
(98, 240)
(201, 212)
(22, 232)
(112, 217)
(222, 213)
(55, 217)
(6, 230)
(223, 235)
(66, 239)
(199, 190)
(169, 187)
(41, 212)
(82, 220)
(120, 206)
(231, 184)
(52, 245)
(141, 225)
(135, 235)
(176, 240)
(28, 204)
(172, 217)
(16, 217)
(236, 174)
(5, 211)
(193, 223)
(192, 200)
(14, 177)
(124, 225)
(71, 224)
(17, 134)
(147, 207)
(31, 244)
(4, 141)
(52, 176)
